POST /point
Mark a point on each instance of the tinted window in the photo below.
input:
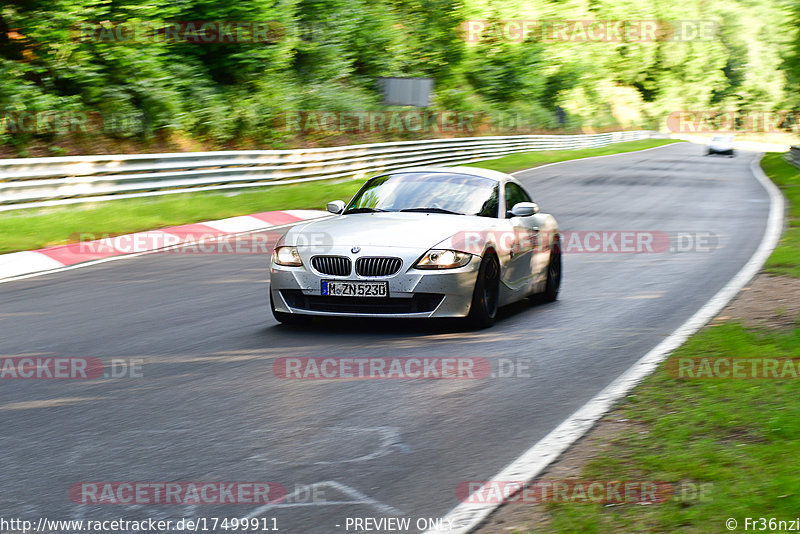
(514, 195)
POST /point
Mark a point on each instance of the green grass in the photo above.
(40, 227)
(739, 436)
(786, 257)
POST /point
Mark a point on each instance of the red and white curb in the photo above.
(18, 265)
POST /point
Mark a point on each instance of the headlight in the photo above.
(443, 259)
(287, 256)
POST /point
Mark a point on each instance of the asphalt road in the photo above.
(208, 407)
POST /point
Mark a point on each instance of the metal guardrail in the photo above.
(37, 182)
(793, 156)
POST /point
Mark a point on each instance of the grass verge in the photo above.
(740, 437)
(40, 227)
(786, 257)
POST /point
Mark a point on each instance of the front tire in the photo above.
(486, 296)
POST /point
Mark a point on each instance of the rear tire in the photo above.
(287, 318)
(486, 296)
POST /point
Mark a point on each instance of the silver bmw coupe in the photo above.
(417, 243)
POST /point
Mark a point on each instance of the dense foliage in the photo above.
(329, 53)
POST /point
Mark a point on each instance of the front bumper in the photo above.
(413, 293)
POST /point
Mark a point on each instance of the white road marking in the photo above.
(20, 263)
(388, 436)
(590, 157)
(468, 516)
(235, 225)
(308, 215)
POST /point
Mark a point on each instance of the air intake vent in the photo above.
(332, 265)
(378, 266)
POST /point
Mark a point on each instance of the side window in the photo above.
(490, 207)
(514, 195)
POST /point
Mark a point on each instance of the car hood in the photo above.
(404, 230)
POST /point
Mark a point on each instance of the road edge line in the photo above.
(593, 157)
(469, 516)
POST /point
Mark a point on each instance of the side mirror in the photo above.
(335, 207)
(524, 209)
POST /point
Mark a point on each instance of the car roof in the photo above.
(471, 171)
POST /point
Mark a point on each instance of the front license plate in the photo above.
(355, 289)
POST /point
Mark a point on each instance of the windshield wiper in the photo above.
(433, 210)
(363, 210)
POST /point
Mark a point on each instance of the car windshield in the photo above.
(721, 139)
(431, 192)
